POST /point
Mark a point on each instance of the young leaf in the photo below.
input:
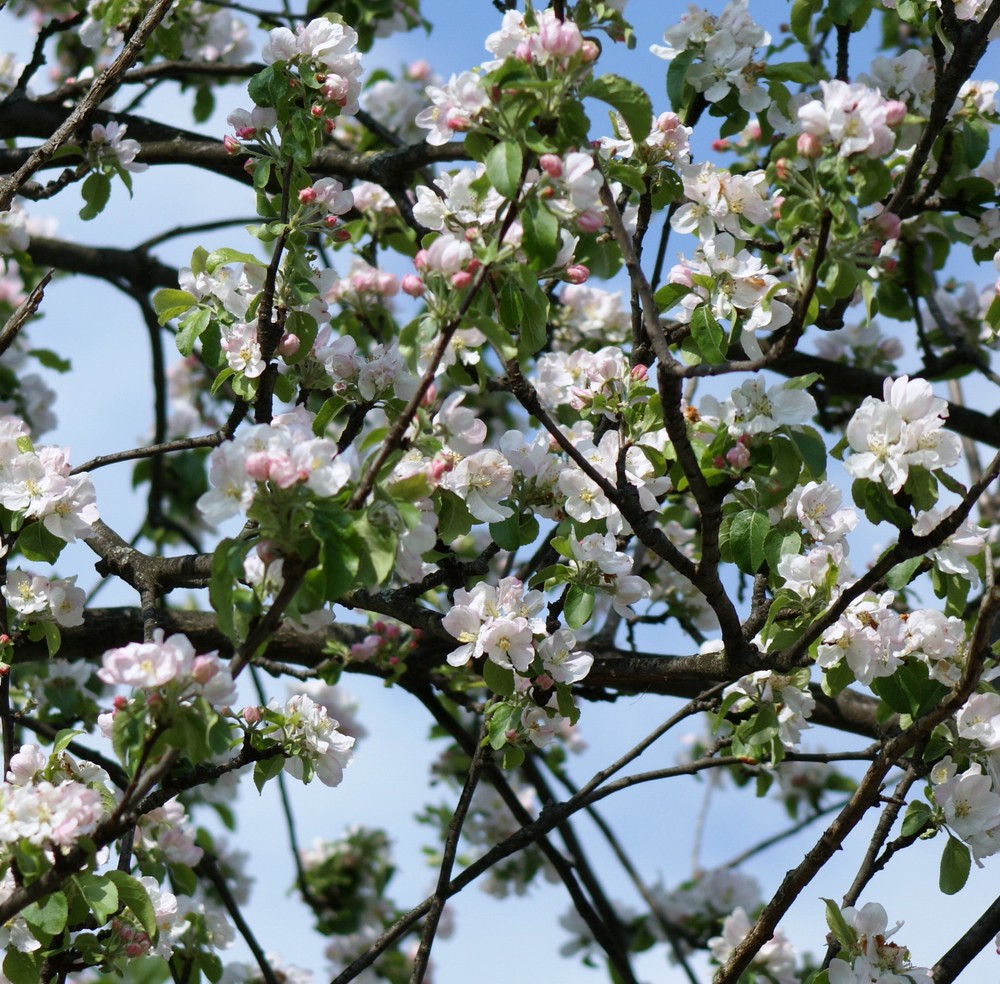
(956, 863)
(627, 98)
(503, 167)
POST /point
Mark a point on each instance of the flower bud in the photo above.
(307, 196)
(551, 164)
(809, 145)
(316, 112)
(577, 273)
(461, 280)
(639, 372)
(420, 261)
(590, 221)
(418, 71)
(888, 224)
(412, 285)
(738, 457)
(289, 345)
(721, 144)
(251, 713)
(231, 144)
(589, 51)
(895, 112)
(341, 236)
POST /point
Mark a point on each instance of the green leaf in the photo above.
(976, 138)
(812, 448)
(220, 257)
(37, 543)
(579, 605)
(96, 192)
(801, 19)
(669, 294)
(842, 932)
(708, 335)
(504, 164)
(956, 863)
(22, 968)
(305, 328)
(267, 769)
(748, 533)
(133, 895)
(800, 72)
(47, 915)
(541, 235)
(168, 303)
(227, 566)
(500, 679)
(627, 98)
(901, 575)
(513, 756)
(50, 360)
(190, 329)
(677, 80)
(511, 307)
(100, 894)
(781, 543)
(917, 815)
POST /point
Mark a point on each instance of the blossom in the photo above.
(310, 736)
(776, 958)
(853, 118)
(109, 144)
(455, 107)
(904, 429)
(482, 480)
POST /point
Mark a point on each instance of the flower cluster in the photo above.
(874, 640)
(852, 118)
(310, 739)
(279, 455)
(37, 598)
(720, 200)
(775, 959)
(110, 147)
(550, 42)
(328, 49)
(903, 430)
(172, 667)
(37, 484)
(456, 106)
(47, 814)
(787, 696)
(725, 47)
(867, 954)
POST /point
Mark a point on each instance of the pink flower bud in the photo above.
(782, 168)
(895, 112)
(341, 236)
(329, 221)
(329, 125)
(289, 345)
(473, 265)
(461, 280)
(231, 144)
(120, 701)
(639, 372)
(419, 261)
(888, 224)
(680, 273)
(590, 221)
(316, 112)
(307, 196)
(412, 285)
(134, 949)
(429, 397)
(577, 273)
(544, 681)
(251, 713)
(589, 51)
(258, 466)
(551, 164)
(523, 52)
(720, 144)
(809, 145)
(4, 670)
(738, 457)
(418, 71)
(438, 468)
(249, 167)
(204, 668)
(268, 551)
